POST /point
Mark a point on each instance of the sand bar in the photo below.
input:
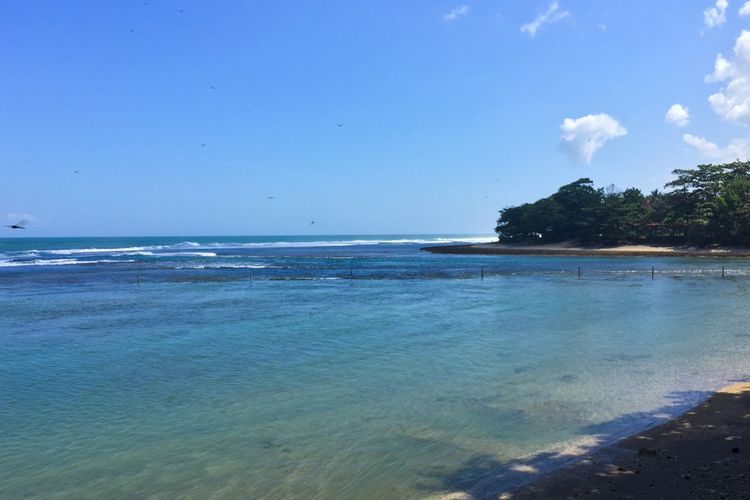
(563, 249)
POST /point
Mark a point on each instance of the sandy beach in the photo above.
(702, 454)
(563, 249)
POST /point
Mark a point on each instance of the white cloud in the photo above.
(714, 16)
(732, 102)
(460, 11)
(745, 9)
(678, 115)
(584, 136)
(552, 15)
(737, 148)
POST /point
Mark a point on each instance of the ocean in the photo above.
(351, 367)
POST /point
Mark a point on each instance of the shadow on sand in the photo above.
(484, 476)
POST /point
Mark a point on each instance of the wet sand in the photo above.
(575, 250)
(703, 454)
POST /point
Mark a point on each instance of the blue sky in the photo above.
(184, 117)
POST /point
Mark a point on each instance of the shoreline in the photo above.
(702, 453)
(568, 250)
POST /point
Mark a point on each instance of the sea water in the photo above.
(340, 367)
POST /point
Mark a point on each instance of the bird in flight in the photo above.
(19, 225)
(203, 145)
(76, 171)
(339, 125)
(270, 197)
(313, 222)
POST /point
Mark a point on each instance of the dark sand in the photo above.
(705, 453)
(573, 250)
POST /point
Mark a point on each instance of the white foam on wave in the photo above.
(226, 266)
(32, 254)
(57, 262)
(184, 254)
(176, 250)
(76, 251)
(147, 253)
(152, 251)
(146, 250)
(357, 242)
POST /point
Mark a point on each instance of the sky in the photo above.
(191, 117)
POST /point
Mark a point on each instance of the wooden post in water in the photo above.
(481, 272)
(722, 271)
(351, 273)
(579, 272)
(251, 276)
(138, 279)
(652, 272)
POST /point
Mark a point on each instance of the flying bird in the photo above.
(313, 222)
(339, 125)
(19, 225)
(203, 145)
(270, 197)
(76, 171)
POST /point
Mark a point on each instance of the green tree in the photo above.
(733, 211)
(703, 205)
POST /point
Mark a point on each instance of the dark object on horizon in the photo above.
(19, 225)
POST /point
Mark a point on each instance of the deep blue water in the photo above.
(339, 367)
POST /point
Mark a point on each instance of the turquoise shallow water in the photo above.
(338, 367)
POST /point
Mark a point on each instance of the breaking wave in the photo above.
(189, 248)
(57, 262)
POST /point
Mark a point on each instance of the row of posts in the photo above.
(653, 272)
(481, 274)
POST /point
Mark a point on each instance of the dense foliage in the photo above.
(706, 205)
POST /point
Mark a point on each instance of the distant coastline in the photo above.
(569, 249)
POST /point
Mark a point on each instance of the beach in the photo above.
(701, 454)
(567, 249)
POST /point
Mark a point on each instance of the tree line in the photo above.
(709, 204)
